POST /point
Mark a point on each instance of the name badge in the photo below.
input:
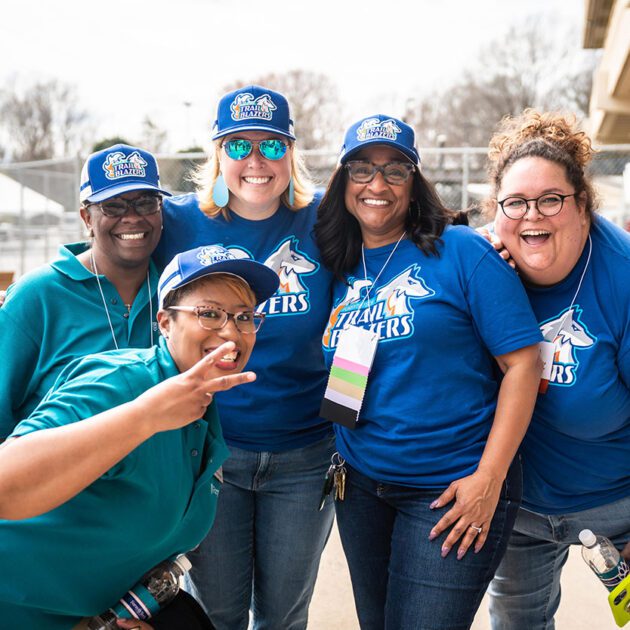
(547, 350)
(348, 378)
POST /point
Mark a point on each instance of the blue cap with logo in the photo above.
(253, 108)
(203, 261)
(117, 170)
(380, 129)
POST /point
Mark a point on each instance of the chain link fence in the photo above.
(39, 200)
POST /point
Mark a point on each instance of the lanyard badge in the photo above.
(348, 376)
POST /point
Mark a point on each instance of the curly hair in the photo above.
(548, 135)
(206, 175)
(338, 235)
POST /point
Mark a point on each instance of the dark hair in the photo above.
(338, 234)
(547, 135)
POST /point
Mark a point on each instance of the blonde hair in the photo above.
(548, 135)
(206, 175)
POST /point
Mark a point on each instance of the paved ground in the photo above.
(584, 601)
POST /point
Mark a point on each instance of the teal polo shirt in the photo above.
(55, 314)
(78, 559)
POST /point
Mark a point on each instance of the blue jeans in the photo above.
(525, 592)
(264, 547)
(399, 579)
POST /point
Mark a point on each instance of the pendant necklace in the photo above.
(109, 319)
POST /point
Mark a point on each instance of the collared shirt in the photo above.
(79, 558)
(55, 314)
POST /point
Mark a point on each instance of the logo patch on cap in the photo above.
(214, 254)
(119, 165)
(372, 128)
(245, 106)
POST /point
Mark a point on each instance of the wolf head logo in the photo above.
(290, 263)
(568, 334)
(397, 292)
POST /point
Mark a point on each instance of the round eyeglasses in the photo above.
(119, 207)
(215, 318)
(395, 173)
(239, 148)
(548, 205)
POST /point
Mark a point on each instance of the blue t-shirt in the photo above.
(79, 558)
(576, 454)
(280, 410)
(432, 390)
(55, 314)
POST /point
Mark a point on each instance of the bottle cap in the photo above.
(183, 563)
(587, 538)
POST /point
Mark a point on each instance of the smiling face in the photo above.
(255, 183)
(188, 342)
(380, 208)
(545, 249)
(126, 241)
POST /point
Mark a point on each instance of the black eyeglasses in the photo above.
(548, 205)
(215, 318)
(395, 173)
(119, 207)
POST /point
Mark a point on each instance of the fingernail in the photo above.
(432, 535)
(478, 549)
(460, 553)
(445, 551)
(434, 504)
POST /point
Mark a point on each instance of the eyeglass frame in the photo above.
(255, 143)
(535, 200)
(197, 309)
(407, 166)
(129, 204)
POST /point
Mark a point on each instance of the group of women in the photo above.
(417, 344)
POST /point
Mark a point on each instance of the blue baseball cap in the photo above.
(203, 261)
(380, 129)
(253, 108)
(117, 170)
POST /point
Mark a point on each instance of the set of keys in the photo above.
(335, 478)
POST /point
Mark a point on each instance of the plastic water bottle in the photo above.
(603, 558)
(154, 591)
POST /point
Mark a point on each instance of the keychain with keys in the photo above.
(340, 482)
(335, 478)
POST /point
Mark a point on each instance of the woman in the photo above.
(430, 460)
(575, 267)
(93, 297)
(268, 535)
(119, 467)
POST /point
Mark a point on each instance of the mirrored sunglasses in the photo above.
(239, 149)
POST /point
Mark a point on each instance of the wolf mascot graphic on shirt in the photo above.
(291, 265)
(569, 335)
(387, 311)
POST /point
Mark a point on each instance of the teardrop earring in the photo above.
(291, 192)
(220, 192)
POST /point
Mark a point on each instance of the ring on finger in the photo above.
(477, 529)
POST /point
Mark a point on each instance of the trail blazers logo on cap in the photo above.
(246, 106)
(372, 128)
(118, 165)
(214, 254)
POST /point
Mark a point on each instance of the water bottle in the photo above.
(154, 591)
(603, 558)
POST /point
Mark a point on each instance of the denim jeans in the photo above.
(264, 547)
(399, 579)
(525, 592)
